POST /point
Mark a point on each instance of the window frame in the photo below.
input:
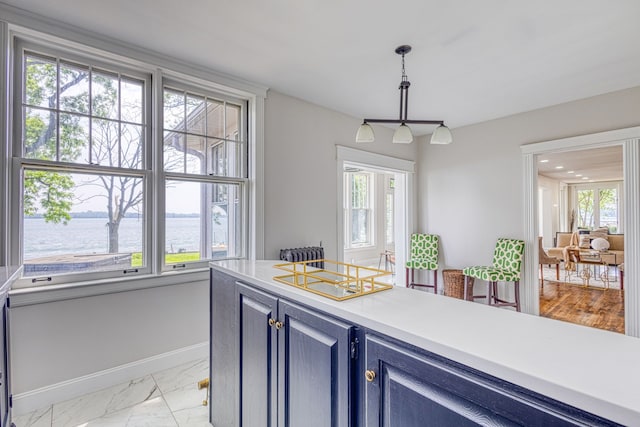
(151, 169)
(370, 199)
(596, 187)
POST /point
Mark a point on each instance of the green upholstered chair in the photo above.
(424, 256)
(507, 259)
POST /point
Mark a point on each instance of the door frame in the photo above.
(404, 195)
(629, 139)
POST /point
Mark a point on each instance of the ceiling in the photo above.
(583, 166)
(472, 61)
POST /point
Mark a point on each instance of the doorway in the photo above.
(581, 191)
(375, 209)
(629, 140)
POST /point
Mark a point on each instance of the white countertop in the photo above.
(591, 369)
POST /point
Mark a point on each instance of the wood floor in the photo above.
(595, 307)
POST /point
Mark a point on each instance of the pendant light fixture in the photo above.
(403, 135)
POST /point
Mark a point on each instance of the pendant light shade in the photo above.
(442, 135)
(365, 133)
(402, 135)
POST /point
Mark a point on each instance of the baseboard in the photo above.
(44, 396)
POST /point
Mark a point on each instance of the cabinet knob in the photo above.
(370, 375)
(279, 325)
(272, 322)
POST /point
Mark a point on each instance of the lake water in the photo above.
(90, 235)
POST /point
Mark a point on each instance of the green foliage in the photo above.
(50, 191)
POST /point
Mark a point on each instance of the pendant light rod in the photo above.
(402, 135)
(415, 122)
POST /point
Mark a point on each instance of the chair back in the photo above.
(424, 247)
(543, 256)
(508, 254)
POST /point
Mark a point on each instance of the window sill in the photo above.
(44, 294)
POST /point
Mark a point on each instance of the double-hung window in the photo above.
(110, 181)
(358, 208)
(204, 145)
(81, 165)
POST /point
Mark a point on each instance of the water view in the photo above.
(90, 235)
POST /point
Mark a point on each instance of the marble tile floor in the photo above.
(168, 398)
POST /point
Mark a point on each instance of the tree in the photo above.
(65, 137)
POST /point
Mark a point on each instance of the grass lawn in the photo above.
(136, 258)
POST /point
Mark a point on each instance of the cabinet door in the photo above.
(314, 369)
(4, 371)
(258, 362)
(413, 390)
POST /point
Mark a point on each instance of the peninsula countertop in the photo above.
(591, 369)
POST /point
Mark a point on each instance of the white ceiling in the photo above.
(471, 61)
(583, 166)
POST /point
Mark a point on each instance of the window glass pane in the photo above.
(131, 143)
(388, 218)
(195, 155)
(104, 95)
(132, 101)
(173, 110)
(196, 115)
(608, 201)
(203, 221)
(585, 209)
(74, 88)
(174, 153)
(359, 226)
(215, 118)
(39, 134)
(74, 138)
(72, 225)
(40, 87)
(233, 122)
(105, 142)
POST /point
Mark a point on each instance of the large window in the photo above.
(598, 206)
(204, 145)
(358, 209)
(85, 170)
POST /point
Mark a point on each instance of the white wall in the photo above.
(59, 341)
(473, 187)
(300, 171)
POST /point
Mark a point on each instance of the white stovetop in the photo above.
(594, 370)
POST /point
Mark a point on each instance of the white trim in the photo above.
(629, 139)
(631, 210)
(38, 295)
(256, 179)
(530, 301)
(5, 107)
(368, 158)
(405, 191)
(36, 399)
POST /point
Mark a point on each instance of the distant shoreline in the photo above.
(92, 214)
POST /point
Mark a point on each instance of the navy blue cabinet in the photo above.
(4, 365)
(277, 363)
(314, 371)
(415, 389)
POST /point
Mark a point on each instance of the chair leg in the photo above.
(489, 290)
(517, 293)
(407, 277)
(466, 286)
(435, 282)
(541, 276)
(558, 272)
